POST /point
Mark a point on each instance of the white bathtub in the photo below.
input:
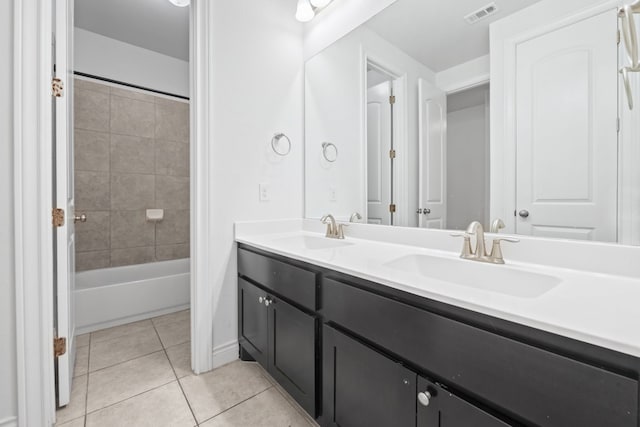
(115, 296)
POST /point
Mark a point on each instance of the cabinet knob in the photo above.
(268, 301)
(424, 397)
(260, 300)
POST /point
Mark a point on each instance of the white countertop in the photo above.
(597, 308)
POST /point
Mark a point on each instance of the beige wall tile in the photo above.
(167, 253)
(172, 158)
(92, 191)
(91, 150)
(164, 406)
(132, 256)
(132, 191)
(93, 235)
(91, 85)
(91, 110)
(92, 260)
(130, 229)
(132, 94)
(172, 192)
(132, 154)
(132, 117)
(174, 228)
(120, 382)
(172, 120)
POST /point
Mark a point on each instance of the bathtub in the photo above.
(115, 296)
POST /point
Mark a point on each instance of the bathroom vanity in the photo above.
(355, 351)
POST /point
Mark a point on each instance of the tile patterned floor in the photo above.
(139, 375)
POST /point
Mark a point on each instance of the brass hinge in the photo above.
(392, 154)
(57, 87)
(59, 346)
(392, 99)
(57, 216)
(392, 208)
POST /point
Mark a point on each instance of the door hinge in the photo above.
(392, 99)
(392, 208)
(59, 346)
(57, 217)
(392, 154)
(57, 87)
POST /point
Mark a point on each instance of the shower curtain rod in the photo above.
(104, 79)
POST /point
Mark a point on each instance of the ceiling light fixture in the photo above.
(304, 11)
(180, 3)
(307, 9)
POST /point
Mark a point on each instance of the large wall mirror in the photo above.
(442, 113)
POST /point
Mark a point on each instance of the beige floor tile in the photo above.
(267, 409)
(76, 407)
(120, 331)
(163, 406)
(120, 382)
(117, 350)
(180, 358)
(78, 422)
(82, 361)
(174, 333)
(295, 404)
(172, 317)
(82, 340)
(214, 392)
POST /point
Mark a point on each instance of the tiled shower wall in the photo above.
(131, 154)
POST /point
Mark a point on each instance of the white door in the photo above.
(567, 140)
(63, 189)
(378, 147)
(433, 156)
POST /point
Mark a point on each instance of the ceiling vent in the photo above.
(481, 13)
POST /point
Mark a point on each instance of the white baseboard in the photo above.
(9, 422)
(225, 354)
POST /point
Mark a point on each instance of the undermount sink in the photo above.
(311, 242)
(493, 278)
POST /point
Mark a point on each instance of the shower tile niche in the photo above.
(131, 154)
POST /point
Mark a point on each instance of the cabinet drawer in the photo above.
(525, 382)
(295, 283)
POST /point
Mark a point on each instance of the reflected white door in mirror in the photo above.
(523, 122)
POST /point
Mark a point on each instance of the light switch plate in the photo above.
(265, 192)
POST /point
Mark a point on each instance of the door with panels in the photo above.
(566, 131)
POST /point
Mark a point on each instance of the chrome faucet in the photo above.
(334, 230)
(355, 217)
(480, 254)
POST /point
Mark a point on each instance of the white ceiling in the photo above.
(152, 24)
(435, 32)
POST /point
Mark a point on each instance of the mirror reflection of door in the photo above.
(379, 147)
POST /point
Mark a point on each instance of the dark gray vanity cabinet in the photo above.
(279, 335)
(355, 353)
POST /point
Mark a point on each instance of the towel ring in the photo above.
(275, 141)
(327, 148)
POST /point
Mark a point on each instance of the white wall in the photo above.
(8, 404)
(337, 20)
(464, 75)
(258, 91)
(105, 57)
(334, 110)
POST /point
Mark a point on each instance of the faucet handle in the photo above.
(496, 250)
(340, 233)
(466, 245)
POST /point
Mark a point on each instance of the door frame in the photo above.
(502, 143)
(400, 135)
(32, 136)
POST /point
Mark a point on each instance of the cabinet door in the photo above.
(363, 388)
(439, 408)
(292, 352)
(253, 333)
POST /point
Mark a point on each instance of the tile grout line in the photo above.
(130, 397)
(193, 414)
(237, 404)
